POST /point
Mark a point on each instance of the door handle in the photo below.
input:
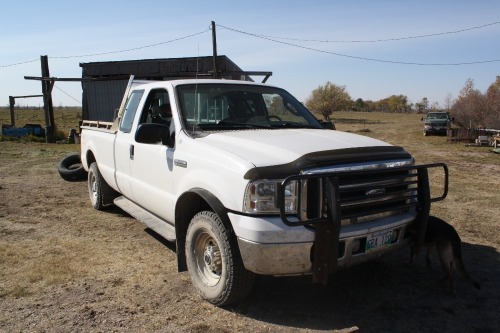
(131, 152)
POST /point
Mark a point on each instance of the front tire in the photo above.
(214, 262)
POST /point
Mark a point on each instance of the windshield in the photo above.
(439, 115)
(224, 107)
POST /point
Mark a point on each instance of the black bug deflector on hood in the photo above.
(328, 157)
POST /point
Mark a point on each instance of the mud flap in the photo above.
(326, 238)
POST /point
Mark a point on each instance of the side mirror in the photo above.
(422, 119)
(153, 133)
(327, 124)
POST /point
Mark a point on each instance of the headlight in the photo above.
(261, 197)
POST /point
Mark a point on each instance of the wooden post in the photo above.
(44, 92)
(12, 102)
(47, 101)
(214, 45)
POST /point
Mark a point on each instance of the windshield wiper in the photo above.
(246, 125)
(293, 125)
(230, 125)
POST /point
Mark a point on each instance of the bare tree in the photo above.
(492, 118)
(448, 101)
(435, 106)
(423, 105)
(469, 108)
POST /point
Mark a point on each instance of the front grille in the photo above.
(359, 194)
(363, 195)
(368, 196)
(353, 195)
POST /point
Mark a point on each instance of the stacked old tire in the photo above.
(71, 169)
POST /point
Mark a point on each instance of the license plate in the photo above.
(378, 239)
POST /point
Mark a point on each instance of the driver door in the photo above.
(152, 164)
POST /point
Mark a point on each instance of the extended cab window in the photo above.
(157, 108)
(130, 110)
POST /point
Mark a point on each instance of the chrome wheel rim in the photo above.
(93, 189)
(208, 258)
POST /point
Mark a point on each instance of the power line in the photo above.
(133, 49)
(385, 40)
(19, 63)
(112, 52)
(356, 57)
(274, 39)
(79, 102)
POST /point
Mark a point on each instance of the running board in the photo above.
(161, 227)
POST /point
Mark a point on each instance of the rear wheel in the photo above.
(214, 262)
(101, 194)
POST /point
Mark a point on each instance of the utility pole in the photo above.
(47, 101)
(214, 45)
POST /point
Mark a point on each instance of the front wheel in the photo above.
(214, 262)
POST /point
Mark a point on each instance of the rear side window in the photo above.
(130, 110)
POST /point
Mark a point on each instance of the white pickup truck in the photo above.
(246, 181)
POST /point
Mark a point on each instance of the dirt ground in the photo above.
(65, 267)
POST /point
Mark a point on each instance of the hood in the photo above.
(277, 147)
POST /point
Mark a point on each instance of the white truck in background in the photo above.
(246, 181)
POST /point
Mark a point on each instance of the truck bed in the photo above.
(96, 124)
(99, 134)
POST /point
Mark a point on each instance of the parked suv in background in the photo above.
(436, 123)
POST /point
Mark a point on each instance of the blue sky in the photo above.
(72, 32)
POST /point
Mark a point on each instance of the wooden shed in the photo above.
(104, 83)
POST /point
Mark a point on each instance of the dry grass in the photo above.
(65, 267)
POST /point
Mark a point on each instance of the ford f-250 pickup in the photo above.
(246, 181)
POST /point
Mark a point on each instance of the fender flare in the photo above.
(213, 202)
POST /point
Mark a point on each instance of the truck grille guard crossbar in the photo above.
(352, 195)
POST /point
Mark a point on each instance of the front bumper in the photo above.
(270, 247)
(285, 254)
(436, 129)
(321, 242)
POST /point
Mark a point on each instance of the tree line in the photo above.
(471, 109)
(474, 109)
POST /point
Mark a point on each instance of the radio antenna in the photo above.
(214, 46)
(196, 91)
